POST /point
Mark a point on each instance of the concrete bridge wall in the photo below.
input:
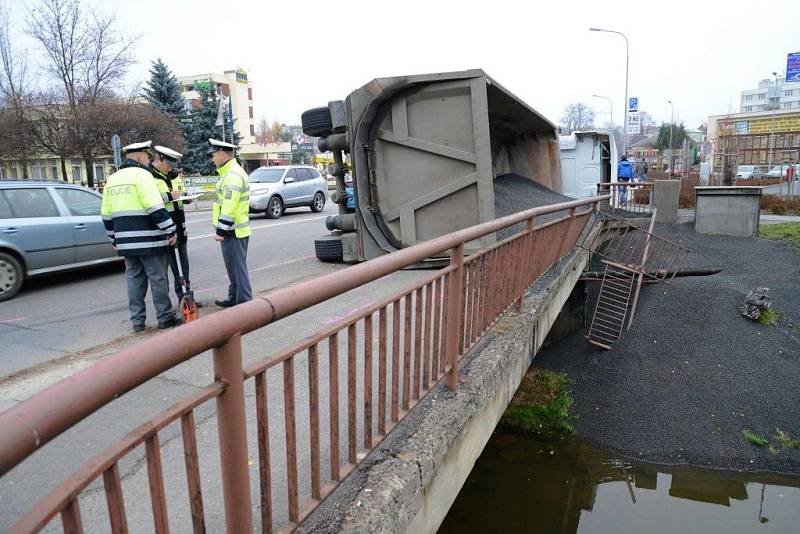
(409, 483)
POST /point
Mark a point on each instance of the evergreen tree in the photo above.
(202, 128)
(163, 90)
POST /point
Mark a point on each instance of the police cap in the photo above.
(144, 146)
(215, 145)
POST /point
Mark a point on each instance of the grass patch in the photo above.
(541, 406)
(781, 232)
(769, 317)
(785, 441)
(754, 439)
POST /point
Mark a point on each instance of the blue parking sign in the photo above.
(633, 103)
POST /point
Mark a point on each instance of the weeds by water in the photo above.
(541, 406)
(780, 441)
(769, 317)
(754, 439)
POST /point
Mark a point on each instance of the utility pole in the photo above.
(625, 117)
(671, 122)
(772, 127)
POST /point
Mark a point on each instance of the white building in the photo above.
(783, 95)
(231, 84)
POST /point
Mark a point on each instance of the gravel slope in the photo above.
(692, 373)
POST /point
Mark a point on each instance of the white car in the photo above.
(273, 189)
(779, 171)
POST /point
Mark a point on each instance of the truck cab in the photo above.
(587, 158)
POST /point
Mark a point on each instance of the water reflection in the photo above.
(522, 485)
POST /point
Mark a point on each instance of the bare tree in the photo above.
(576, 117)
(50, 126)
(89, 58)
(262, 131)
(15, 93)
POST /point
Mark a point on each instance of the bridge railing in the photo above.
(628, 197)
(379, 363)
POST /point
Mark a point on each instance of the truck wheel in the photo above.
(11, 275)
(329, 248)
(318, 203)
(317, 122)
(274, 208)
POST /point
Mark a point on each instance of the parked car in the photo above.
(46, 227)
(273, 189)
(779, 171)
(750, 171)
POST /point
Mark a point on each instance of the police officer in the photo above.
(141, 231)
(165, 165)
(231, 218)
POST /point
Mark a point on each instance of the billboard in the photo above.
(793, 67)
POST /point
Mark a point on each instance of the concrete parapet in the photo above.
(667, 193)
(726, 210)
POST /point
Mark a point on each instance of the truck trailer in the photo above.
(426, 153)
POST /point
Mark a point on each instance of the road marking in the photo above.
(283, 264)
(307, 219)
(16, 319)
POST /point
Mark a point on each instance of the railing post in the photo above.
(454, 303)
(233, 436)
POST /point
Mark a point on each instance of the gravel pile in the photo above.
(514, 193)
(692, 373)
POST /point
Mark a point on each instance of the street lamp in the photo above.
(625, 117)
(772, 126)
(610, 108)
(671, 122)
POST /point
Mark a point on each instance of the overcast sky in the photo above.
(302, 54)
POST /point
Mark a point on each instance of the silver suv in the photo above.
(47, 227)
(273, 189)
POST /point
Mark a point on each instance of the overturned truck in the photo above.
(427, 152)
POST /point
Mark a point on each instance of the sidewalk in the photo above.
(687, 215)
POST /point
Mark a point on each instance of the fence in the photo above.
(628, 197)
(421, 333)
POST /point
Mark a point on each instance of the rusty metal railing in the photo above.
(410, 341)
(628, 198)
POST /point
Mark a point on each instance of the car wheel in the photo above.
(317, 122)
(274, 208)
(329, 248)
(11, 276)
(318, 203)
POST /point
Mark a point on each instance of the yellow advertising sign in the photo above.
(764, 125)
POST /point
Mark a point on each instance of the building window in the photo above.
(12, 173)
(748, 98)
(99, 172)
(788, 92)
(762, 96)
(252, 129)
(38, 170)
(787, 105)
(54, 171)
(250, 111)
(249, 93)
(76, 172)
(748, 108)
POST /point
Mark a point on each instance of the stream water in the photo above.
(522, 485)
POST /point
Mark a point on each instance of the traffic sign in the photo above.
(115, 148)
(633, 126)
(633, 104)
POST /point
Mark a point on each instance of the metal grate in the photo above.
(611, 308)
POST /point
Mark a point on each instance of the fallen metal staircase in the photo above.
(611, 309)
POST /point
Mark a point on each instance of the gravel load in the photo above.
(692, 374)
(514, 193)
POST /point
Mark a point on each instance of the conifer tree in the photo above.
(163, 90)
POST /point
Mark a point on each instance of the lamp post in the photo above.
(625, 117)
(772, 127)
(610, 108)
(671, 122)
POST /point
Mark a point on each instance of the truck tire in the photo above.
(329, 248)
(317, 122)
(12, 275)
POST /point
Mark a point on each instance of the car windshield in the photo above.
(266, 176)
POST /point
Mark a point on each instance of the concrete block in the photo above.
(666, 194)
(733, 211)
